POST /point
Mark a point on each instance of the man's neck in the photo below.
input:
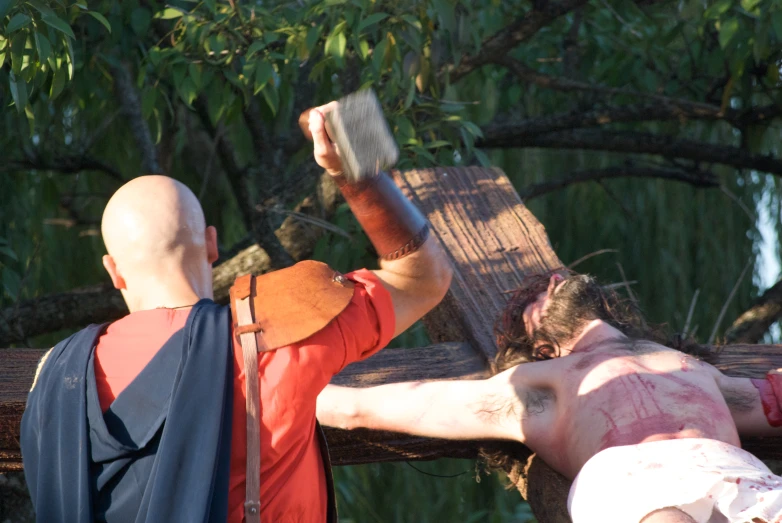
(173, 292)
(592, 336)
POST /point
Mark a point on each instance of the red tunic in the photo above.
(293, 485)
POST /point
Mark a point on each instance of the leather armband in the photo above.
(394, 225)
(770, 390)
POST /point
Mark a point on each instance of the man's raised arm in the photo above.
(414, 268)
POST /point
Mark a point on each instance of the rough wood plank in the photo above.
(492, 240)
(16, 378)
(446, 361)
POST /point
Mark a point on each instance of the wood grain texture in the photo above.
(493, 242)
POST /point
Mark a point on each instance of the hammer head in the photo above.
(361, 133)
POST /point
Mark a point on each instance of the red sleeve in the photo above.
(367, 324)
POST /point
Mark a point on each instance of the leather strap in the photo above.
(393, 224)
(249, 342)
(325, 295)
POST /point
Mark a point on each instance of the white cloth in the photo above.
(703, 477)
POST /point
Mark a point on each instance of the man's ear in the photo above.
(546, 352)
(116, 278)
(211, 244)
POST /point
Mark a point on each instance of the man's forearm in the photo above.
(437, 409)
(395, 407)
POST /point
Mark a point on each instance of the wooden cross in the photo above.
(494, 242)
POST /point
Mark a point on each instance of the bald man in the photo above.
(144, 419)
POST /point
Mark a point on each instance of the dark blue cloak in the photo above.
(161, 452)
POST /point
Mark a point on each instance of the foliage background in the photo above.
(667, 114)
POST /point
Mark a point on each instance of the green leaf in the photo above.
(728, 29)
(776, 23)
(482, 158)
(59, 24)
(148, 100)
(100, 18)
(8, 252)
(18, 43)
(43, 46)
(59, 78)
(436, 144)
(410, 96)
(272, 98)
(750, 5)
(188, 91)
(410, 19)
(194, 70)
(69, 58)
(263, 73)
(336, 41)
(717, 9)
(169, 13)
(5, 7)
(18, 21)
(313, 35)
(446, 11)
(18, 91)
(140, 19)
(378, 53)
(473, 129)
(420, 151)
(40, 7)
(3, 54)
(255, 47)
(760, 48)
(371, 20)
(12, 283)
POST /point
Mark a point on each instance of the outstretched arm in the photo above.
(756, 404)
(476, 409)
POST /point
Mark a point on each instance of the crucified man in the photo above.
(648, 434)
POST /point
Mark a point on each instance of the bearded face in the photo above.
(546, 314)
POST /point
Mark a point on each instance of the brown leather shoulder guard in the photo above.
(291, 304)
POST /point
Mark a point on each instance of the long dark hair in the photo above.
(580, 299)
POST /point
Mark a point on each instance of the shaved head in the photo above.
(158, 243)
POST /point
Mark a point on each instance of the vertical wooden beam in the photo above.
(493, 241)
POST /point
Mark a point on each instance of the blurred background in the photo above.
(644, 132)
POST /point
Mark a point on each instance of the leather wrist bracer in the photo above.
(393, 224)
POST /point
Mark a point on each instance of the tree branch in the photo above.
(128, 99)
(64, 165)
(238, 179)
(603, 116)
(674, 107)
(512, 35)
(755, 322)
(632, 142)
(694, 177)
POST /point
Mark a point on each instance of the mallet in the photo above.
(360, 131)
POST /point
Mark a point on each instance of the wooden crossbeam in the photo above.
(443, 361)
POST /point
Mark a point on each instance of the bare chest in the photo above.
(617, 398)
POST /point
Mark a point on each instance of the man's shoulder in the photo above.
(291, 304)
